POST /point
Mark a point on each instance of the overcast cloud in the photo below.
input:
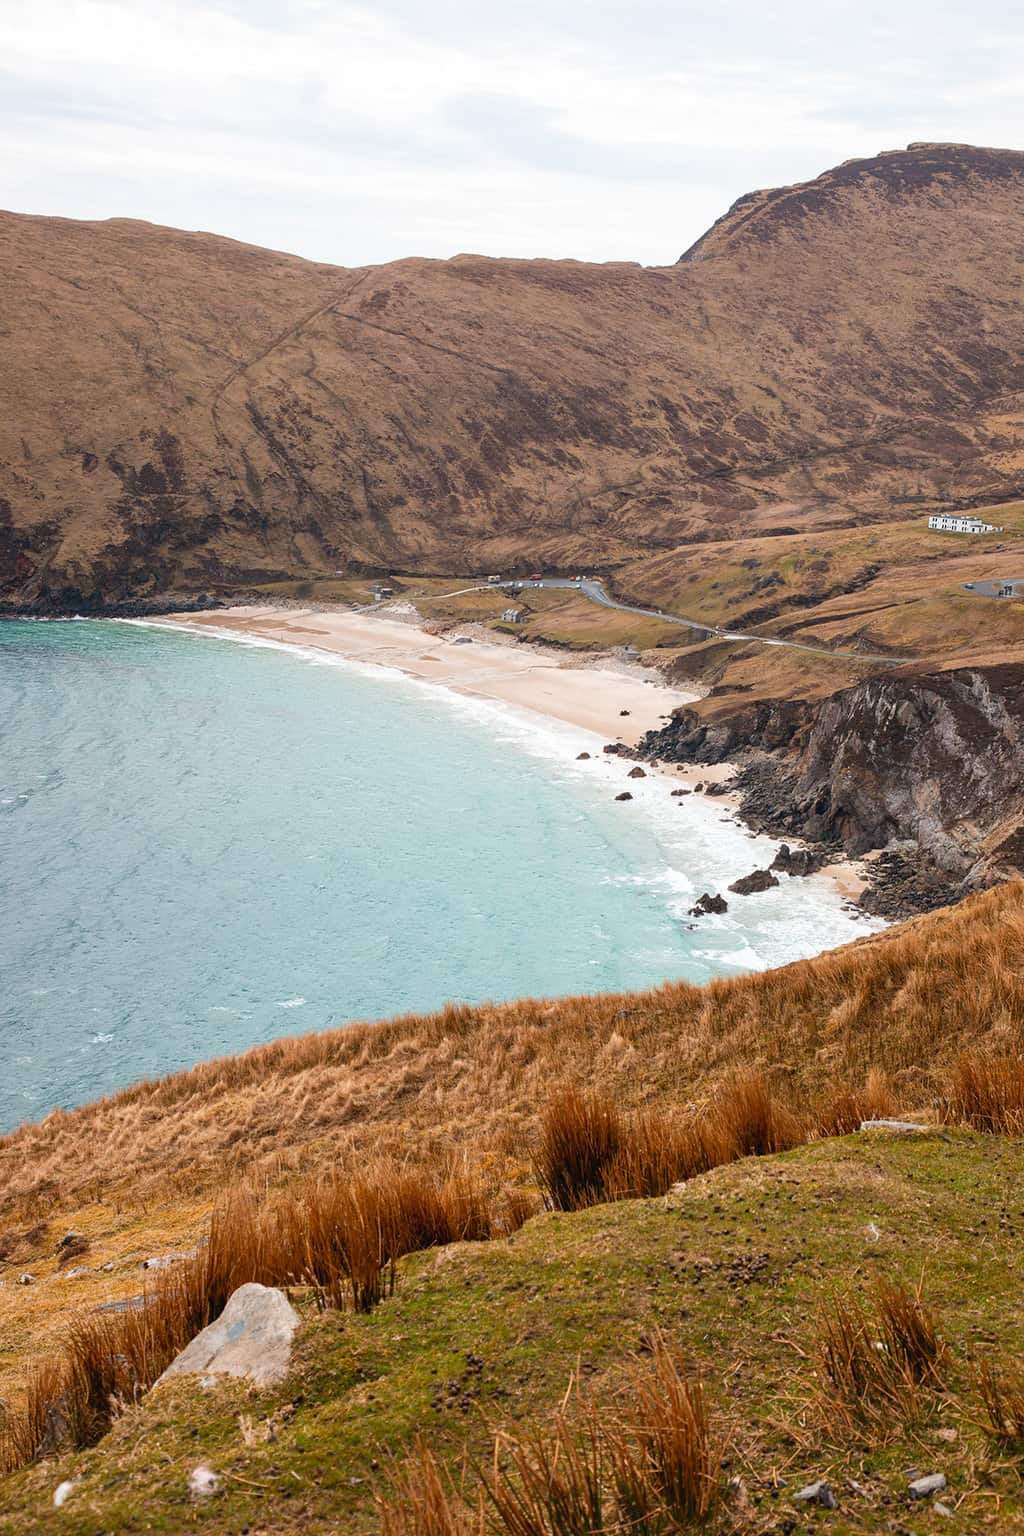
(356, 133)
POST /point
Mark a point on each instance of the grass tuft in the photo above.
(987, 1092)
(1001, 1389)
(580, 1137)
(877, 1359)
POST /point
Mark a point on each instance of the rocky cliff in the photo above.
(924, 765)
(180, 413)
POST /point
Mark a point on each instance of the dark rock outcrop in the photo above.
(799, 861)
(757, 880)
(923, 763)
(708, 903)
(624, 796)
(637, 773)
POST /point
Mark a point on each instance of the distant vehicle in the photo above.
(494, 580)
(536, 576)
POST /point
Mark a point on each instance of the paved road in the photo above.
(597, 594)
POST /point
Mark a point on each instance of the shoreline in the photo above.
(618, 701)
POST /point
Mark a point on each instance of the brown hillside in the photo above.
(180, 413)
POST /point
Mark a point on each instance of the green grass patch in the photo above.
(734, 1269)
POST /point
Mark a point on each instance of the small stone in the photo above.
(945, 1434)
(924, 1487)
(202, 1482)
(940, 1508)
(62, 1493)
(73, 1274)
(583, 757)
(623, 711)
(817, 1493)
(637, 773)
(26, 1279)
(676, 793)
(624, 796)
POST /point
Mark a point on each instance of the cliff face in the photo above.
(930, 759)
(182, 413)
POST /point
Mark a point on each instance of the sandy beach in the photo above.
(618, 701)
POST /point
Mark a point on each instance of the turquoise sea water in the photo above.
(206, 844)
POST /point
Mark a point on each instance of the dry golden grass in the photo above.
(340, 1235)
(1001, 1389)
(905, 1003)
(878, 1358)
(987, 1091)
(648, 1459)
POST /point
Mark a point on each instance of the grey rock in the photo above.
(816, 1493)
(940, 1508)
(126, 1304)
(583, 757)
(251, 1338)
(163, 1260)
(924, 1487)
(26, 1279)
(893, 1125)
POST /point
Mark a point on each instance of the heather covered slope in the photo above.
(181, 413)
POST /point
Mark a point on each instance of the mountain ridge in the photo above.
(182, 413)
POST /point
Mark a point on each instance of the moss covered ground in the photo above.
(734, 1268)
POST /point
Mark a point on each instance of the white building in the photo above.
(958, 522)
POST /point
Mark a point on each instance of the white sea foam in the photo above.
(100, 1039)
(293, 1002)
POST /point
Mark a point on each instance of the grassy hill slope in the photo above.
(738, 1268)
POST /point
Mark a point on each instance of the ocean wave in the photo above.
(293, 1002)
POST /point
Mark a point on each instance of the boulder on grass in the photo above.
(252, 1338)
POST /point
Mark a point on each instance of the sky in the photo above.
(606, 130)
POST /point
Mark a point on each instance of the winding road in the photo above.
(594, 590)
